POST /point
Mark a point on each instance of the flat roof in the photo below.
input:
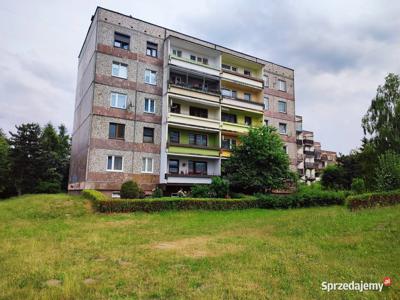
(216, 45)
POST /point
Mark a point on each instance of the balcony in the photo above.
(188, 179)
(187, 121)
(241, 79)
(190, 64)
(309, 165)
(308, 141)
(188, 149)
(299, 141)
(309, 153)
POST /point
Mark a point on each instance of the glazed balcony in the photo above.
(233, 120)
(246, 99)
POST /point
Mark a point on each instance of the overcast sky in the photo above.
(340, 51)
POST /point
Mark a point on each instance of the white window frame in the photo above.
(266, 101)
(113, 163)
(120, 66)
(266, 81)
(282, 85)
(115, 195)
(177, 52)
(150, 74)
(117, 98)
(154, 105)
(279, 128)
(285, 106)
(145, 165)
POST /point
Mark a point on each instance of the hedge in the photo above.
(373, 199)
(302, 199)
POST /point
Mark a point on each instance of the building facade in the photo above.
(164, 108)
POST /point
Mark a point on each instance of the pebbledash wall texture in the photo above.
(104, 163)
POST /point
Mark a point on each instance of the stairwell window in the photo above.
(150, 77)
(149, 106)
(148, 135)
(121, 41)
(266, 81)
(118, 100)
(119, 70)
(266, 103)
(282, 85)
(147, 165)
(151, 49)
(282, 107)
(114, 163)
(282, 128)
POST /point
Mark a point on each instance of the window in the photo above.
(266, 103)
(177, 52)
(115, 195)
(173, 166)
(229, 93)
(174, 137)
(266, 123)
(121, 41)
(193, 57)
(234, 69)
(197, 167)
(150, 77)
(116, 131)
(114, 163)
(247, 121)
(247, 72)
(147, 165)
(175, 108)
(282, 106)
(247, 96)
(266, 81)
(151, 49)
(148, 135)
(205, 61)
(149, 106)
(282, 128)
(119, 70)
(228, 143)
(282, 85)
(118, 100)
(226, 67)
(285, 149)
(198, 139)
(228, 118)
(198, 112)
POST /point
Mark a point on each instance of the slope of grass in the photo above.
(55, 247)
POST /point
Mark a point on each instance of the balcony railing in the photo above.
(188, 149)
(309, 152)
(193, 146)
(309, 165)
(308, 141)
(243, 79)
(191, 175)
(188, 120)
(195, 87)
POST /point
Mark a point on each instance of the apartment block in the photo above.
(311, 159)
(165, 109)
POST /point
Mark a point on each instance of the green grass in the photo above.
(249, 254)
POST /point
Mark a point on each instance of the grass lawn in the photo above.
(55, 247)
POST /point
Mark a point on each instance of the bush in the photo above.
(200, 191)
(219, 188)
(333, 177)
(157, 193)
(305, 198)
(388, 171)
(48, 187)
(358, 186)
(130, 190)
(93, 195)
(373, 199)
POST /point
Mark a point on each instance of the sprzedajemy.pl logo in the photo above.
(355, 286)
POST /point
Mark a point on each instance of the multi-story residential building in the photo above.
(311, 159)
(164, 108)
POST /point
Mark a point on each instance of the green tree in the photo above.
(382, 120)
(25, 152)
(388, 171)
(4, 161)
(333, 177)
(258, 163)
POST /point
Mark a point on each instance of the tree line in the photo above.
(375, 166)
(34, 159)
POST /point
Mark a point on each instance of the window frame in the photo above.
(193, 167)
(247, 121)
(147, 136)
(118, 127)
(149, 100)
(153, 47)
(169, 167)
(246, 71)
(145, 165)
(120, 65)
(201, 112)
(284, 106)
(249, 96)
(178, 135)
(283, 83)
(178, 106)
(230, 115)
(196, 137)
(113, 163)
(117, 96)
(178, 53)
(122, 36)
(151, 73)
(266, 101)
(279, 128)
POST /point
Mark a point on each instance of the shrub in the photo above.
(200, 191)
(388, 171)
(130, 190)
(219, 188)
(48, 187)
(157, 193)
(93, 195)
(358, 186)
(333, 177)
(373, 199)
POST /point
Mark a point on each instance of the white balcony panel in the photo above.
(242, 104)
(188, 180)
(242, 80)
(193, 121)
(187, 64)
